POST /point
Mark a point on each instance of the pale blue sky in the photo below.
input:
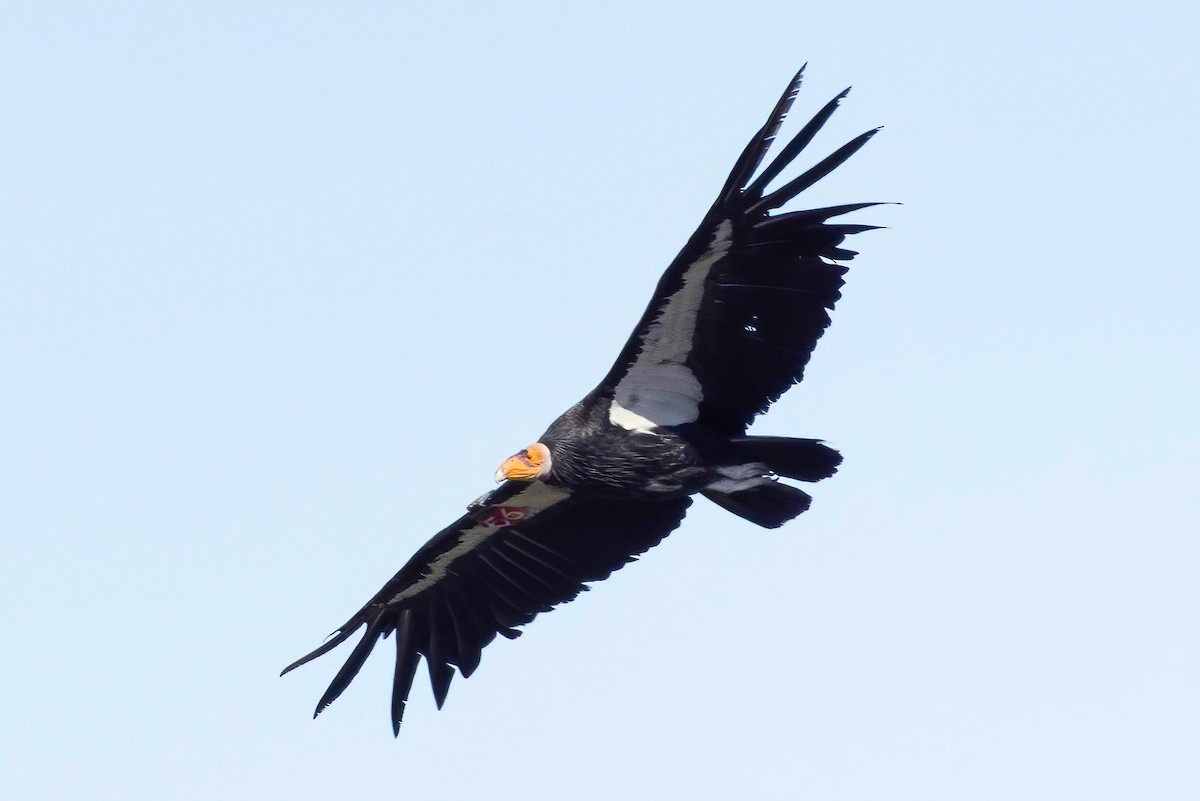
(281, 285)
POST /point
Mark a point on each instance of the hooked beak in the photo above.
(531, 463)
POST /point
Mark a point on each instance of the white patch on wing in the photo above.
(659, 387)
(526, 504)
(664, 394)
(618, 415)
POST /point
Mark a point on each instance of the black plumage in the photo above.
(729, 329)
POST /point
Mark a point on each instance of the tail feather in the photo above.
(769, 504)
(801, 459)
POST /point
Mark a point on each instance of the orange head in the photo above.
(526, 465)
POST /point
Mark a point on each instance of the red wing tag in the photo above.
(503, 516)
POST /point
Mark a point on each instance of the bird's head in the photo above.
(526, 465)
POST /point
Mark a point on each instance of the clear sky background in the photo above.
(282, 283)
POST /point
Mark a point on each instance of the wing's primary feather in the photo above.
(793, 148)
(760, 143)
(407, 660)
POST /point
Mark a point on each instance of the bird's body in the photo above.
(728, 330)
(590, 453)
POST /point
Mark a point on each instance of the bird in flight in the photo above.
(728, 330)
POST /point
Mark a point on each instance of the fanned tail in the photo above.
(751, 493)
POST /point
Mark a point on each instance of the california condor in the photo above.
(728, 330)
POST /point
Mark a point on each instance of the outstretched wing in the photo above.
(738, 313)
(521, 550)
